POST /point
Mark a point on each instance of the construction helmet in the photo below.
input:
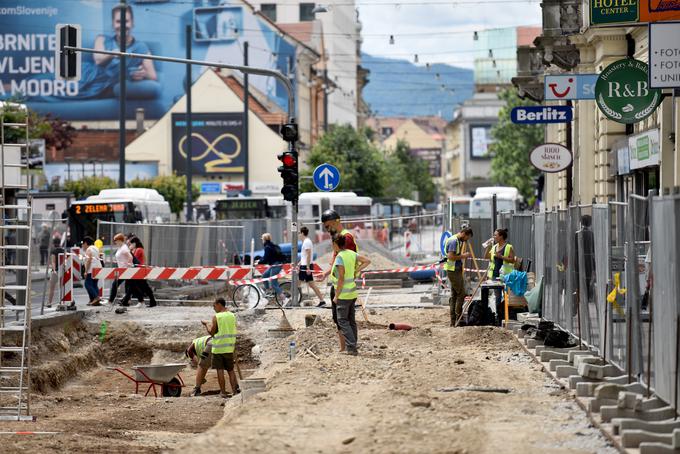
(329, 215)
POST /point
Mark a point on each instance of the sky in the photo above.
(438, 32)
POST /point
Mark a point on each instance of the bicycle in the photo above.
(250, 295)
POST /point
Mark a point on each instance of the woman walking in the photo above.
(346, 267)
(142, 286)
(123, 260)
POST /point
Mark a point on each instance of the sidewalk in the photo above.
(38, 274)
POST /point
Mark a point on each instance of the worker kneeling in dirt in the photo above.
(200, 353)
(223, 332)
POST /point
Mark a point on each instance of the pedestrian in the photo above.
(307, 265)
(44, 243)
(501, 258)
(140, 285)
(123, 260)
(200, 354)
(347, 266)
(331, 223)
(454, 271)
(54, 268)
(91, 261)
(223, 332)
(274, 259)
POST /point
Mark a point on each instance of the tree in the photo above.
(88, 186)
(512, 144)
(172, 187)
(359, 161)
(415, 171)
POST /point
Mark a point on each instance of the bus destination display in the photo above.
(99, 208)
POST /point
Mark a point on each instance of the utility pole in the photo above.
(122, 77)
(187, 142)
(246, 109)
(325, 100)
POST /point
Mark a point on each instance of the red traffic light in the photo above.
(288, 160)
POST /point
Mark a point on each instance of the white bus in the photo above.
(264, 207)
(348, 205)
(507, 199)
(459, 206)
(130, 205)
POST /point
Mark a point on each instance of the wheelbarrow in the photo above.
(165, 376)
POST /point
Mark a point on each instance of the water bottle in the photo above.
(291, 351)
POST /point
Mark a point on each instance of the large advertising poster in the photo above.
(216, 145)
(27, 45)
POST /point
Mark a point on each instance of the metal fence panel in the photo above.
(539, 246)
(601, 240)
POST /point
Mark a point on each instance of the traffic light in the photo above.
(289, 132)
(67, 62)
(289, 173)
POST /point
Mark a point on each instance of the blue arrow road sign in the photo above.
(326, 177)
(442, 242)
(541, 114)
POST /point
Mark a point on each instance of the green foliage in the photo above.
(88, 186)
(416, 173)
(510, 165)
(11, 112)
(172, 187)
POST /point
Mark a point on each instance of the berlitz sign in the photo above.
(550, 157)
(541, 114)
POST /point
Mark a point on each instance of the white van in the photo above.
(507, 199)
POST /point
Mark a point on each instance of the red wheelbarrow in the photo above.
(166, 376)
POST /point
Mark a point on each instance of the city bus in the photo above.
(347, 204)
(459, 206)
(129, 205)
(252, 208)
(507, 199)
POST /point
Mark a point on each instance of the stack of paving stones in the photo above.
(632, 421)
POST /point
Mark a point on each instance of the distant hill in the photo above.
(401, 88)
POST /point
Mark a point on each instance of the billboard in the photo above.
(216, 140)
(159, 28)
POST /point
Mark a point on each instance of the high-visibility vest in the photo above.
(224, 341)
(349, 287)
(451, 264)
(506, 268)
(347, 232)
(200, 344)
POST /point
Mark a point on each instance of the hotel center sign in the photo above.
(610, 12)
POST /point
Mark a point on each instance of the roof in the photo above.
(258, 108)
(301, 31)
(527, 34)
(88, 144)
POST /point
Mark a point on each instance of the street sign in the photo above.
(570, 86)
(622, 92)
(326, 177)
(550, 157)
(442, 242)
(541, 114)
(211, 188)
(664, 55)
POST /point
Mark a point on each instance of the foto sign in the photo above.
(541, 114)
(326, 177)
(550, 157)
(664, 55)
(570, 86)
(622, 92)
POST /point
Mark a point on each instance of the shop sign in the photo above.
(622, 92)
(609, 12)
(550, 157)
(644, 149)
(664, 55)
(541, 114)
(561, 87)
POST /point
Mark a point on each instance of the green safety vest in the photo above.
(224, 341)
(349, 287)
(507, 267)
(200, 343)
(347, 232)
(451, 264)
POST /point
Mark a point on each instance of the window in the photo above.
(386, 131)
(480, 140)
(306, 12)
(269, 11)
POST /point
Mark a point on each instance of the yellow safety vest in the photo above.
(349, 287)
(507, 267)
(347, 232)
(451, 264)
(224, 341)
(200, 343)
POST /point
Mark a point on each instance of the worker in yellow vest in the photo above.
(501, 258)
(454, 271)
(223, 332)
(331, 223)
(200, 354)
(347, 266)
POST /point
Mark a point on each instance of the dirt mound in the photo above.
(483, 335)
(127, 343)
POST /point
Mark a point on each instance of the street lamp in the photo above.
(320, 9)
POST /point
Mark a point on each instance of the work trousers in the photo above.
(91, 287)
(347, 323)
(457, 294)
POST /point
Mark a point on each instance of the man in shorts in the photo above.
(307, 265)
(223, 332)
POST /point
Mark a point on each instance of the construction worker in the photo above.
(501, 258)
(200, 354)
(454, 271)
(223, 332)
(331, 223)
(347, 266)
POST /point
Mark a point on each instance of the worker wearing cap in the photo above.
(223, 332)
(200, 353)
(454, 271)
(331, 223)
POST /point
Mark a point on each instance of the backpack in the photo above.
(479, 314)
(279, 257)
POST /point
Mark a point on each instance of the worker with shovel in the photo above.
(200, 354)
(223, 332)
